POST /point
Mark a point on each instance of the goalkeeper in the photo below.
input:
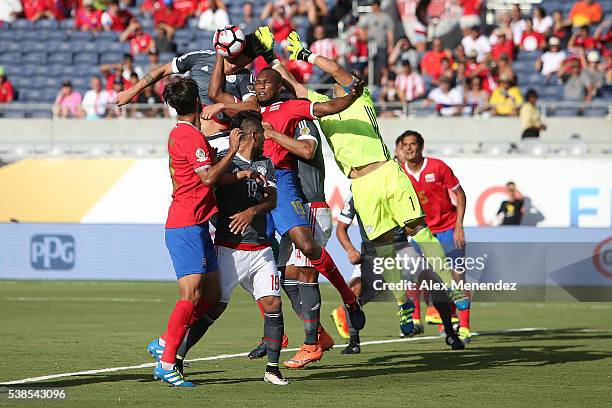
(382, 193)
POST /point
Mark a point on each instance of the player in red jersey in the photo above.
(194, 173)
(432, 180)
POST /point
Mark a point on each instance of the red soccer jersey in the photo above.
(432, 183)
(192, 201)
(140, 44)
(284, 117)
(88, 20)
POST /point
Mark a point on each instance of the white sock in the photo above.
(167, 366)
(162, 342)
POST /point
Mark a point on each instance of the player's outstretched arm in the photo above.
(124, 97)
(215, 173)
(342, 234)
(298, 52)
(243, 219)
(459, 235)
(337, 105)
(305, 149)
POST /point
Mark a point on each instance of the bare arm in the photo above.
(243, 219)
(305, 149)
(296, 88)
(152, 77)
(214, 174)
(337, 105)
(341, 75)
(342, 234)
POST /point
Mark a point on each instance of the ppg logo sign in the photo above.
(52, 252)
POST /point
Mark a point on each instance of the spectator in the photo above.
(250, 22)
(517, 24)
(503, 46)
(379, 28)
(403, 51)
(96, 100)
(116, 86)
(167, 18)
(7, 93)
(315, 10)
(213, 18)
(593, 73)
(410, 85)
(115, 18)
(430, 64)
(511, 210)
(322, 45)
(87, 18)
(459, 54)
(186, 8)
(123, 70)
(582, 39)
(389, 91)
(9, 10)
(163, 41)
(541, 22)
(140, 41)
(279, 22)
(474, 41)
(506, 99)
(560, 29)
(503, 68)
(357, 55)
(470, 16)
(585, 12)
(446, 70)
(68, 102)
(34, 10)
(476, 98)
(531, 40)
(448, 101)
(530, 116)
(551, 61)
(149, 97)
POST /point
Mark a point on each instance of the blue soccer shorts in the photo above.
(191, 249)
(289, 211)
(448, 244)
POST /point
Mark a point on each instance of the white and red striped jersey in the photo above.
(412, 86)
(325, 47)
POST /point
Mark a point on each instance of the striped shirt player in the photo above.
(411, 86)
(325, 47)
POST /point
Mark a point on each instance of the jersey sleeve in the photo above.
(307, 130)
(317, 97)
(348, 211)
(270, 174)
(197, 152)
(184, 63)
(449, 180)
(301, 108)
(246, 86)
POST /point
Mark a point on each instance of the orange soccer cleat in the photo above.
(285, 341)
(308, 353)
(338, 315)
(324, 339)
(432, 316)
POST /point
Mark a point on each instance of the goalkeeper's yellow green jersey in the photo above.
(353, 134)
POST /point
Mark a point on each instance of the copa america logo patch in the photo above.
(201, 155)
(304, 131)
(262, 170)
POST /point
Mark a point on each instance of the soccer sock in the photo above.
(442, 303)
(433, 251)
(273, 335)
(202, 307)
(293, 292)
(177, 326)
(194, 334)
(352, 330)
(311, 309)
(392, 274)
(464, 318)
(325, 266)
(415, 295)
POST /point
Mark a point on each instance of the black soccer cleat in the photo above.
(352, 348)
(259, 352)
(180, 365)
(356, 315)
(455, 342)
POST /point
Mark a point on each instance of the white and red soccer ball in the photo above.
(229, 41)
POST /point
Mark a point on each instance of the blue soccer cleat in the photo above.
(405, 316)
(156, 350)
(172, 377)
(461, 301)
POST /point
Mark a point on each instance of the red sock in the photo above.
(326, 267)
(453, 309)
(415, 295)
(202, 307)
(261, 308)
(177, 326)
(464, 318)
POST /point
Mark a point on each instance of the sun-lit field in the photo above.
(563, 353)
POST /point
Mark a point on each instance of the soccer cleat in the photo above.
(155, 349)
(454, 319)
(324, 339)
(285, 341)
(308, 353)
(179, 364)
(458, 297)
(274, 376)
(455, 342)
(432, 316)
(171, 377)
(260, 351)
(405, 316)
(352, 347)
(465, 334)
(418, 327)
(338, 315)
(356, 315)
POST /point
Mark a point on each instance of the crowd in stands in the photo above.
(473, 71)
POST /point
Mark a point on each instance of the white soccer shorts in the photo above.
(321, 225)
(255, 270)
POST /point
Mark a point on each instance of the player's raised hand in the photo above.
(263, 44)
(234, 140)
(240, 221)
(211, 110)
(354, 256)
(296, 49)
(254, 175)
(268, 130)
(357, 88)
(123, 98)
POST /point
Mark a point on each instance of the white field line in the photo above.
(226, 356)
(81, 299)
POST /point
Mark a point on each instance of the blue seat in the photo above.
(25, 35)
(108, 35)
(523, 66)
(57, 35)
(596, 111)
(10, 58)
(109, 46)
(44, 24)
(60, 57)
(38, 82)
(166, 56)
(183, 35)
(141, 59)
(84, 70)
(34, 58)
(13, 114)
(67, 24)
(111, 58)
(22, 24)
(20, 82)
(9, 46)
(55, 71)
(87, 58)
(31, 95)
(52, 83)
(81, 36)
(552, 93)
(13, 70)
(33, 46)
(59, 46)
(79, 82)
(41, 113)
(147, 23)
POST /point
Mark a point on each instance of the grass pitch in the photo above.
(57, 327)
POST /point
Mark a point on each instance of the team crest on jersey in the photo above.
(430, 178)
(251, 88)
(369, 229)
(230, 78)
(201, 155)
(262, 170)
(305, 131)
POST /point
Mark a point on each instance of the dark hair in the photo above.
(542, 10)
(275, 72)
(128, 56)
(182, 95)
(530, 93)
(248, 120)
(407, 133)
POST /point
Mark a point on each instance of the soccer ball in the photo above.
(229, 41)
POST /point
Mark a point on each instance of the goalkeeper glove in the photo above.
(266, 44)
(296, 49)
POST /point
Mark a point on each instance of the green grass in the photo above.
(45, 329)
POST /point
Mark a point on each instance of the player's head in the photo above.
(250, 123)
(234, 64)
(267, 85)
(183, 96)
(412, 144)
(511, 190)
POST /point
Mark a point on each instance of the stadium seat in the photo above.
(41, 113)
(33, 46)
(60, 58)
(49, 95)
(87, 58)
(57, 35)
(34, 58)
(110, 46)
(523, 67)
(552, 93)
(108, 35)
(596, 111)
(22, 24)
(9, 46)
(166, 56)
(12, 114)
(10, 58)
(31, 95)
(45, 24)
(79, 82)
(58, 46)
(111, 58)
(147, 23)
(67, 24)
(81, 36)
(87, 70)
(183, 35)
